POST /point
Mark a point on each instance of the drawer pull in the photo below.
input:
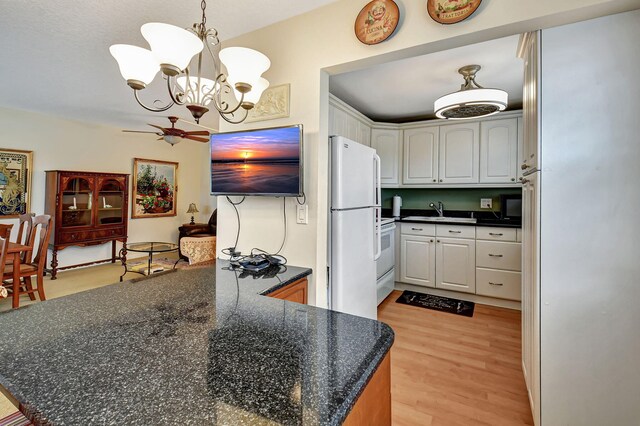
(430, 241)
(455, 232)
(416, 229)
(498, 234)
(495, 255)
(498, 284)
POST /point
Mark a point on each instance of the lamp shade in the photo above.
(135, 63)
(171, 45)
(471, 103)
(172, 140)
(205, 88)
(256, 91)
(244, 65)
(192, 208)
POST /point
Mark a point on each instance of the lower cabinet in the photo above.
(294, 292)
(480, 260)
(418, 254)
(456, 264)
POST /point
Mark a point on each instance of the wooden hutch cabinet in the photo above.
(87, 209)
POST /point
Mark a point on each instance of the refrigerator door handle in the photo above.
(378, 214)
(378, 181)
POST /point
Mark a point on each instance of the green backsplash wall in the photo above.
(452, 198)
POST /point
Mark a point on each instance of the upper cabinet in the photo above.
(345, 121)
(459, 153)
(499, 151)
(531, 102)
(421, 155)
(487, 151)
(387, 144)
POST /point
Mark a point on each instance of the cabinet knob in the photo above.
(430, 241)
(437, 241)
(440, 180)
(434, 180)
(513, 179)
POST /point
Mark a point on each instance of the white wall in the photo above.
(590, 234)
(303, 48)
(70, 145)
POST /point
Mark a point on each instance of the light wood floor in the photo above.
(452, 370)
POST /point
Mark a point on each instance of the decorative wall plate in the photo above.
(377, 21)
(451, 11)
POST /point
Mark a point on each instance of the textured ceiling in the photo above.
(406, 89)
(56, 60)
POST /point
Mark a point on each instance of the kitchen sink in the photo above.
(441, 219)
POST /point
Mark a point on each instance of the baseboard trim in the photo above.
(509, 304)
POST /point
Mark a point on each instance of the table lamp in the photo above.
(192, 209)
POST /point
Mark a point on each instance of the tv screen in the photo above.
(257, 162)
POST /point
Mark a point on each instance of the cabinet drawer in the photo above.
(499, 255)
(500, 284)
(294, 292)
(427, 229)
(74, 236)
(108, 233)
(495, 234)
(455, 231)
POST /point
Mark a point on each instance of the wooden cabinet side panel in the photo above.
(373, 407)
(294, 292)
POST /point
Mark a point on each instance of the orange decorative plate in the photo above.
(451, 11)
(377, 21)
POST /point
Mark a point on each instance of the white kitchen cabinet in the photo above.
(337, 121)
(531, 289)
(420, 165)
(418, 260)
(459, 151)
(531, 102)
(456, 264)
(388, 145)
(352, 127)
(499, 151)
(364, 134)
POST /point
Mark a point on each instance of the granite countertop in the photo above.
(482, 218)
(193, 347)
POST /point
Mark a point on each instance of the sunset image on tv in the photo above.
(256, 162)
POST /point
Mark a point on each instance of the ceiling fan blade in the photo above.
(160, 138)
(198, 133)
(158, 127)
(196, 138)
(139, 131)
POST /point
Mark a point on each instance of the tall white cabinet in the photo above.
(581, 339)
(421, 155)
(499, 151)
(387, 144)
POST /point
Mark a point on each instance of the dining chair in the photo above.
(5, 233)
(41, 225)
(25, 226)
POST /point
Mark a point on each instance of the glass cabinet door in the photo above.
(77, 199)
(110, 202)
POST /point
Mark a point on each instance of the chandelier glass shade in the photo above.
(472, 100)
(183, 56)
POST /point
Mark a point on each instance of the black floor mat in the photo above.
(437, 303)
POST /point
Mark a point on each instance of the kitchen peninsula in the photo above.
(201, 346)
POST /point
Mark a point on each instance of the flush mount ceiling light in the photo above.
(172, 51)
(472, 100)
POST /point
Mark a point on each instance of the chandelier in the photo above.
(172, 52)
(472, 100)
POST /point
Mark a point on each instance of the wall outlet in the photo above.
(486, 203)
(302, 215)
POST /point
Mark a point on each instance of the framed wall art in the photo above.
(274, 103)
(15, 182)
(155, 188)
(377, 21)
(451, 11)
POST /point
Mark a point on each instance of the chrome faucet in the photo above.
(439, 208)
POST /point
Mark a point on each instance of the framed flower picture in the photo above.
(15, 182)
(155, 188)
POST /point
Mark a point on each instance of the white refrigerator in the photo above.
(355, 242)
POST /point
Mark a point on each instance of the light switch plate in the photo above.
(302, 215)
(486, 203)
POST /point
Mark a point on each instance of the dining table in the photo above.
(14, 252)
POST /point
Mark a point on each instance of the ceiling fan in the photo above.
(172, 135)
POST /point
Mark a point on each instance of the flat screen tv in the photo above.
(257, 162)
